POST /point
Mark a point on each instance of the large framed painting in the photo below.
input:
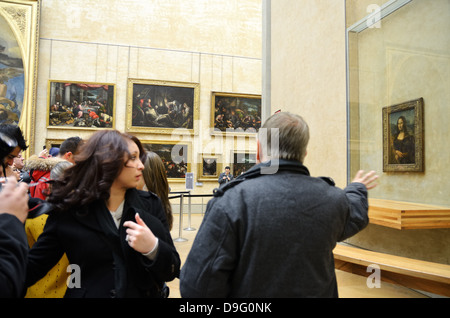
(175, 156)
(235, 113)
(403, 136)
(162, 106)
(209, 167)
(19, 43)
(80, 105)
(242, 161)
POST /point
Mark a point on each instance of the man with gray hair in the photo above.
(271, 231)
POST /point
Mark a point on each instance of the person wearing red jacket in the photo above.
(39, 169)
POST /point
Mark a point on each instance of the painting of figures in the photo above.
(80, 105)
(174, 156)
(12, 78)
(161, 107)
(239, 113)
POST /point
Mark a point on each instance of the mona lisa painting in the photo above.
(403, 137)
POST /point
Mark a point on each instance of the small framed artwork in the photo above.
(174, 155)
(161, 106)
(80, 105)
(235, 113)
(53, 143)
(242, 161)
(403, 136)
(209, 167)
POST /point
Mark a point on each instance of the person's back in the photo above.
(272, 234)
(285, 228)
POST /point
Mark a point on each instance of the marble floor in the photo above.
(349, 285)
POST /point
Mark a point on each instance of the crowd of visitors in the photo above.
(92, 218)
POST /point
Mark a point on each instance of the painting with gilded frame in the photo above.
(209, 167)
(242, 161)
(403, 136)
(84, 105)
(174, 155)
(51, 143)
(235, 113)
(163, 107)
(19, 44)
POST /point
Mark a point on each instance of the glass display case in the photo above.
(398, 88)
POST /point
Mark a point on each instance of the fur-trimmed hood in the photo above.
(42, 164)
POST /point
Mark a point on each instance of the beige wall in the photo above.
(214, 43)
(308, 77)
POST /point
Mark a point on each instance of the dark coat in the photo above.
(273, 235)
(108, 266)
(13, 256)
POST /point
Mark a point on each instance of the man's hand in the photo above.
(367, 179)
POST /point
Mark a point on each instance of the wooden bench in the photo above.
(416, 274)
(407, 215)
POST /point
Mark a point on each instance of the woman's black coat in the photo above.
(104, 262)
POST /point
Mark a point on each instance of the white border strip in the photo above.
(385, 10)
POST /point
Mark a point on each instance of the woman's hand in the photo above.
(139, 236)
(399, 154)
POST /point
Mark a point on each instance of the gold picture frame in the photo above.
(238, 114)
(162, 107)
(242, 161)
(403, 137)
(176, 157)
(80, 105)
(19, 35)
(50, 143)
(209, 167)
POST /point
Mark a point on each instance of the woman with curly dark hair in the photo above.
(114, 236)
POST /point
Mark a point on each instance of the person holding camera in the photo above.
(9, 153)
(226, 176)
(13, 213)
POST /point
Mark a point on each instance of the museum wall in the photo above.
(405, 58)
(214, 44)
(308, 77)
